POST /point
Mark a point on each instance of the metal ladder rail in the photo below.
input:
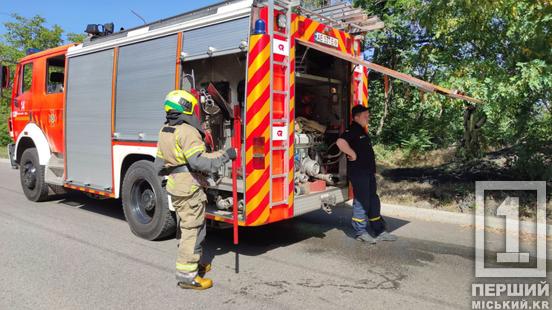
(287, 6)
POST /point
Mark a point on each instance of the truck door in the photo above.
(22, 102)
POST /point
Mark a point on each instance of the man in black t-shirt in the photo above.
(361, 167)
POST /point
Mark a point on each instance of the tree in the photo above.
(498, 51)
(75, 37)
(22, 34)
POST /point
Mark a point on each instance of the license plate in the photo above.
(326, 39)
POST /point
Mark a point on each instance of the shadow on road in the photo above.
(108, 207)
(253, 240)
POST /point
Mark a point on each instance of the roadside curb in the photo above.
(492, 222)
(4, 160)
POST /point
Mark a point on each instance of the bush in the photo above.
(5, 138)
(533, 161)
(416, 144)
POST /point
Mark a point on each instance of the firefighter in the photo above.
(361, 167)
(181, 154)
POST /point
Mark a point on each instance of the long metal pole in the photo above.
(235, 165)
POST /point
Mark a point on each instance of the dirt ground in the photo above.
(437, 180)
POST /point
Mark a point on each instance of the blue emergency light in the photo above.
(260, 27)
(32, 50)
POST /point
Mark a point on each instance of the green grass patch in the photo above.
(3, 151)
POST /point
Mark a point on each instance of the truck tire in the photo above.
(31, 174)
(145, 202)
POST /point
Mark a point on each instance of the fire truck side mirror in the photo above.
(4, 78)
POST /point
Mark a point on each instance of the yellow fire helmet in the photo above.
(181, 101)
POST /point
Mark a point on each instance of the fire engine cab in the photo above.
(277, 82)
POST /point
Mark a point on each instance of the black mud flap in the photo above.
(11, 151)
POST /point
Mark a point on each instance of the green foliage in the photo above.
(416, 144)
(75, 37)
(498, 51)
(313, 4)
(23, 33)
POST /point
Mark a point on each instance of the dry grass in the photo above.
(388, 159)
(436, 181)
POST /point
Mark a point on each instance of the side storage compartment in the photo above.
(145, 74)
(88, 120)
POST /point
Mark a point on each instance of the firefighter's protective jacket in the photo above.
(182, 146)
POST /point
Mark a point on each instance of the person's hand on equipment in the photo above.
(232, 153)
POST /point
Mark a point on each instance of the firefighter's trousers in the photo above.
(359, 218)
(365, 191)
(191, 211)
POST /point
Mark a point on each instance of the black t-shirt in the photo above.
(360, 142)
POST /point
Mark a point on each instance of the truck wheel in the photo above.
(145, 202)
(31, 174)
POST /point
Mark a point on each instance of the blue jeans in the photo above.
(359, 218)
(366, 205)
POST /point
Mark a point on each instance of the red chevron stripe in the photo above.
(343, 39)
(255, 188)
(253, 216)
(256, 106)
(307, 22)
(257, 49)
(257, 132)
(258, 76)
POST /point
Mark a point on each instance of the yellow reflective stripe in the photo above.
(159, 154)
(375, 219)
(170, 182)
(186, 267)
(179, 155)
(191, 152)
(358, 220)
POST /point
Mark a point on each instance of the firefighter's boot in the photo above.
(193, 281)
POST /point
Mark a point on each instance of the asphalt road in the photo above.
(78, 253)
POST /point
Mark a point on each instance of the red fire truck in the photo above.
(277, 82)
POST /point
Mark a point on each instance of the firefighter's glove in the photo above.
(231, 153)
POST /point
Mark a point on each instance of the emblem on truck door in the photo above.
(52, 118)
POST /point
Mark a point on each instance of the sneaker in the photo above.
(385, 236)
(366, 238)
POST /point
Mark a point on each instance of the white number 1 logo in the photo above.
(510, 209)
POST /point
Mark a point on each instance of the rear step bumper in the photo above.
(314, 201)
